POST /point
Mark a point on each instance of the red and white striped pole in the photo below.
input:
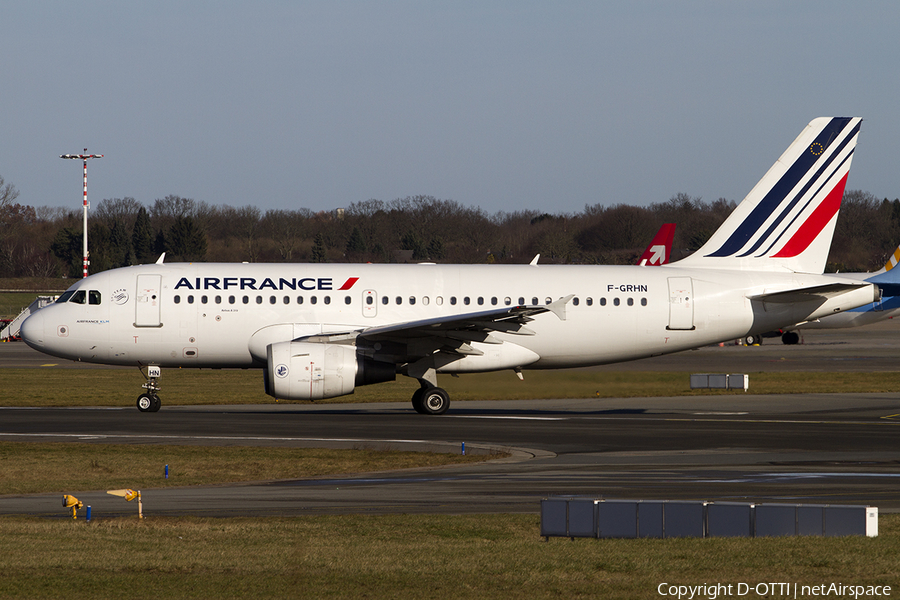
(84, 157)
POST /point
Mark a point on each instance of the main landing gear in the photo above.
(150, 402)
(430, 400)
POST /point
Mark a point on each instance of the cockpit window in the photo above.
(79, 297)
(93, 297)
(65, 297)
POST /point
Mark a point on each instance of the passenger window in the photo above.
(204, 299)
(246, 299)
(399, 300)
(313, 299)
(384, 300)
(78, 297)
(259, 299)
(521, 301)
(547, 300)
(615, 301)
(480, 300)
(176, 299)
(287, 299)
(347, 299)
(452, 300)
(534, 301)
(327, 299)
(412, 299)
(466, 301)
(425, 300)
(190, 299)
(369, 300)
(575, 301)
(507, 301)
(230, 299)
(643, 302)
(494, 301)
(602, 301)
(218, 299)
(272, 299)
(631, 302)
(93, 297)
(299, 299)
(439, 300)
(589, 301)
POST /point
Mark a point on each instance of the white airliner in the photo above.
(886, 307)
(319, 330)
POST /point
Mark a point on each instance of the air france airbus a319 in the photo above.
(319, 330)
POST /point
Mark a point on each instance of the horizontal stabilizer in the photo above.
(808, 294)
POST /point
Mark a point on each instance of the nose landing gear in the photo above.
(150, 402)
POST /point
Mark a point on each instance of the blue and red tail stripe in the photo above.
(830, 141)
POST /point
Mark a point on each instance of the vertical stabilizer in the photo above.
(787, 220)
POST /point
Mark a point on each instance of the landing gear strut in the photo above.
(150, 402)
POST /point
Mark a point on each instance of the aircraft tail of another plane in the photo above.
(660, 249)
(787, 220)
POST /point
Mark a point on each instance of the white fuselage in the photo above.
(206, 315)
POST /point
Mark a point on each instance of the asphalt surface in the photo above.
(797, 448)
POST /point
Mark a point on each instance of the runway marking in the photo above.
(509, 418)
(784, 421)
(50, 365)
(891, 416)
(217, 437)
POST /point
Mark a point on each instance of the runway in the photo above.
(798, 448)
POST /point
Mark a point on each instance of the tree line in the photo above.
(47, 242)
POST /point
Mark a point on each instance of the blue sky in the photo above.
(507, 106)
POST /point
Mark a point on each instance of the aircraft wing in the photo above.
(452, 331)
(819, 292)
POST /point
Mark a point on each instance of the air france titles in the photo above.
(252, 283)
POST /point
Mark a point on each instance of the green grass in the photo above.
(29, 468)
(118, 387)
(404, 556)
(12, 303)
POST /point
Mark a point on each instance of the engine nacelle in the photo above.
(314, 371)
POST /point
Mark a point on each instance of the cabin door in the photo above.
(681, 303)
(147, 301)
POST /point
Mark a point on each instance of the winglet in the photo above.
(161, 258)
(534, 260)
(558, 308)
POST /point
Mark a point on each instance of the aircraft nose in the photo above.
(32, 331)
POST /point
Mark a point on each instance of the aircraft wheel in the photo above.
(435, 401)
(145, 403)
(156, 403)
(790, 338)
(752, 340)
(418, 402)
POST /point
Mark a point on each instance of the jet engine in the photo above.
(314, 371)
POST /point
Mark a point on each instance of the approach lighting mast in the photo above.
(84, 157)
